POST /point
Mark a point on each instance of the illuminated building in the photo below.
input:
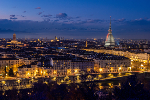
(60, 65)
(82, 65)
(27, 71)
(28, 61)
(14, 63)
(106, 63)
(111, 64)
(86, 43)
(142, 57)
(110, 42)
(65, 65)
(35, 70)
(45, 67)
(14, 42)
(10, 63)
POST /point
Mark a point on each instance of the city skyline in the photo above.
(74, 19)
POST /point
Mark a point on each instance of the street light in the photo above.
(141, 65)
(100, 69)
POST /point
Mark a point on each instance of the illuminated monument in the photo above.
(110, 42)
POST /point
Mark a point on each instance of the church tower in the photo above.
(14, 36)
(110, 42)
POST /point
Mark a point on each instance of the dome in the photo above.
(110, 38)
(110, 42)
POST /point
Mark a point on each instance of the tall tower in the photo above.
(14, 36)
(110, 42)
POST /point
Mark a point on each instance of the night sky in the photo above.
(75, 18)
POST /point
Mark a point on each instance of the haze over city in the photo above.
(74, 18)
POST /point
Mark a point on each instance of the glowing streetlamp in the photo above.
(141, 65)
(100, 69)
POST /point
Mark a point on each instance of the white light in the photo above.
(141, 64)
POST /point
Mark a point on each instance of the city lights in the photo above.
(75, 50)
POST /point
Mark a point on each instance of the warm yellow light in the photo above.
(3, 82)
(69, 71)
(120, 68)
(109, 84)
(110, 75)
(141, 64)
(99, 76)
(88, 70)
(41, 71)
(100, 69)
(76, 70)
(119, 73)
(54, 72)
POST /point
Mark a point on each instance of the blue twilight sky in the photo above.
(75, 18)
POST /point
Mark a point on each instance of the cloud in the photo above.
(13, 17)
(24, 11)
(23, 16)
(62, 15)
(69, 18)
(9, 31)
(38, 8)
(40, 13)
(77, 17)
(46, 15)
(4, 30)
(56, 20)
(94, 20)
(89, 28)
(121, 20)
(46, 19)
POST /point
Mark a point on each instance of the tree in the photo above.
(11, 73)
(132, 89)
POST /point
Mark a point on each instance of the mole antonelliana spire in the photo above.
(110, 42)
